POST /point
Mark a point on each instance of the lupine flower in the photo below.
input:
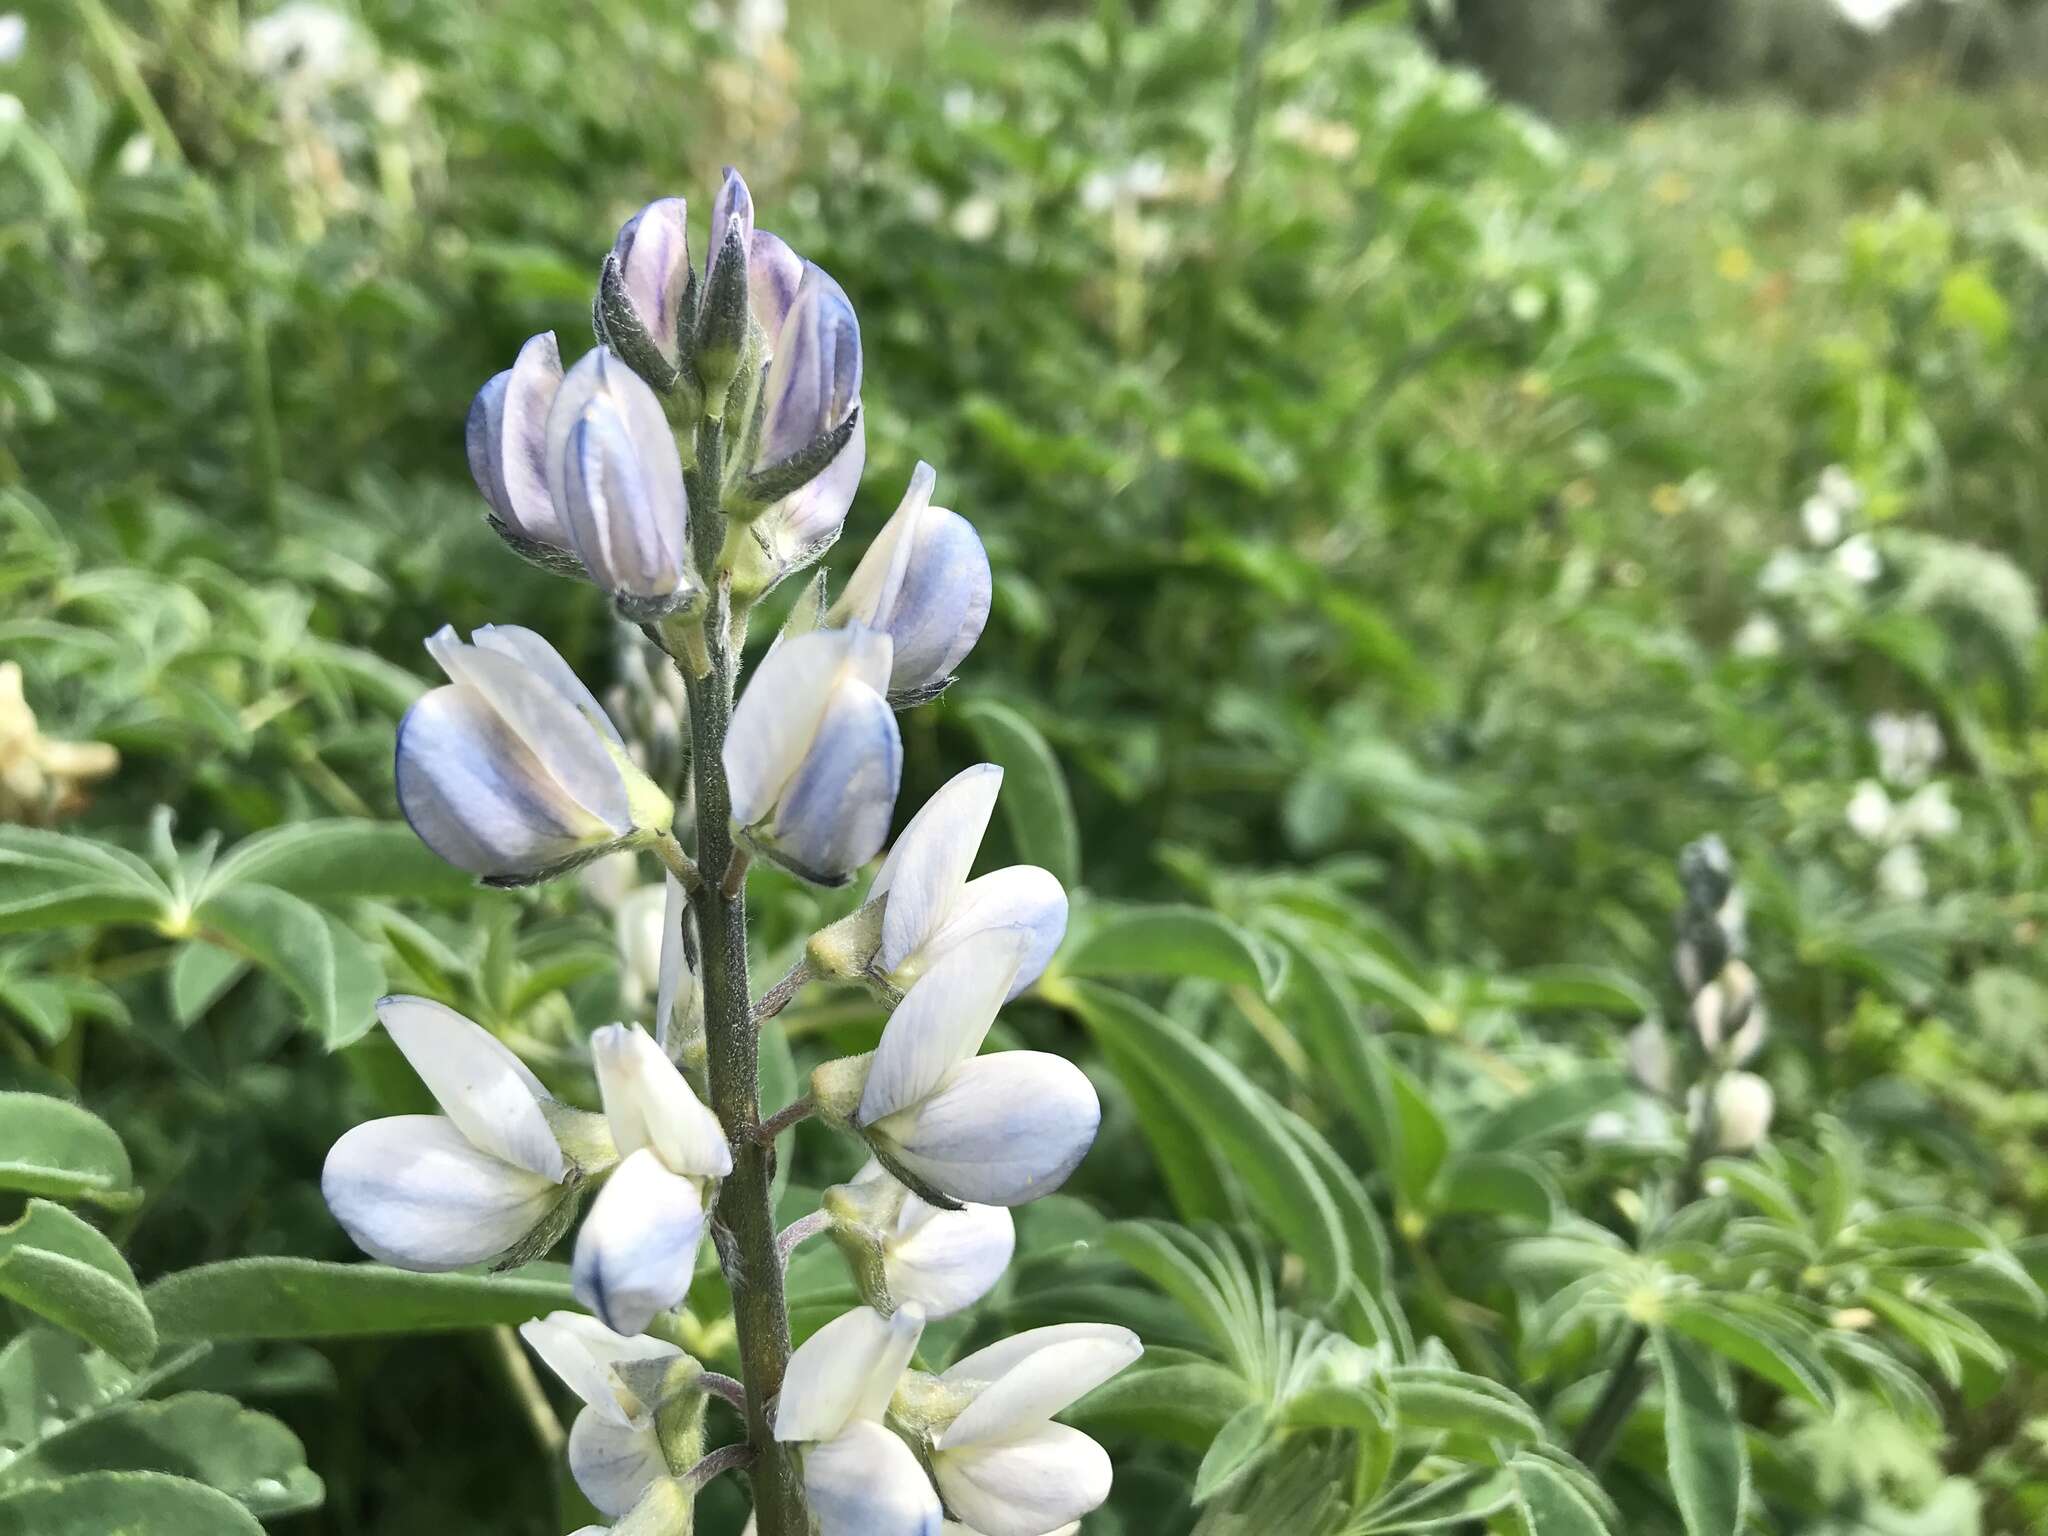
(614, 1449)
(1869, 812)
(997, 1130)
(648, 276)
(1648, 1053)
(925, 583)
(812, 388)
(932, 906)
(507, 442)
(1902, 874)
(1758, 637)
(1856, 557)
(1908, 747)
(861, 1479)
(513, 771)
(1003, 1466)
(1929, 814)
(616, 480)
(638, 1248)
(813, 756)
(904, 1251)
(1727, 1012)
(436, 1192)
(1742, 1112)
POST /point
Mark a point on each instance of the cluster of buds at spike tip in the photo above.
(513, 771)
(891, 1450)
(954, 1126)
(492, 1178)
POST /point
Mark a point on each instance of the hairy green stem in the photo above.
(745, 1204)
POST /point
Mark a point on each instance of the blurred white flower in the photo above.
(1869, 812)
(1781, 573)
(1743, 1104)
(1902, 875)
(1856, 557)
(1871, 15)
(1930, 815)
(13, 36)
(1759, 637)
(304, 48)
(1908, 747)
(1840, 487)
(1822, 520)
(1648, 1053)
(976, 219)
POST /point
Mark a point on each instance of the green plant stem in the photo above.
(745, 1204)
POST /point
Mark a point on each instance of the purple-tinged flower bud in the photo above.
(724, 314)
(617, 482)
(512, 771)
(507, 442)
(925, 583)
(813, 386)
(813, 755)
(646, 296)
(795, 531)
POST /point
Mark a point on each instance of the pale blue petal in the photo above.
(1001, 1129)
(834, 816)
(637, 1249)
(412, 1191)
(613, 1465)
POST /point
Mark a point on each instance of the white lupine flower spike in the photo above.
(813, 757)
(925, 583)
(439, 1192)
(1002, 1465)
(637, 1249)
(905, 1251)
(994, 1130)
(861, 1479)
(513, 771)
(614, 1450)
(932, 907)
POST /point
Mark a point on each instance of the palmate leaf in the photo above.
(1554, 1502)
(59, 1268)
(332, 972)
(1035, 804)
(1707, 1460)
(285, 1298)
(49, 1146)
(1173, 941)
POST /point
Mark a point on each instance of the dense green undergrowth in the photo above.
(1412, 526)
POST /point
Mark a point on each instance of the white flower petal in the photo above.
(947, 1260)
(637, 1250)
(1000, 1130)
(533, 652)
(1005, 1355)
(650, 1105)
(867, 1482)
(478, 1081)
(507, 439)
(805, 523)
(773, 273)
(926, 870)
(1027, 1485)
(477, 796)
(870, 593)
(613, 1464)
(942, 604)
(847, 1369)
(674, 963)
(940, 1023)
(1062, 1370)
(834, 813)
(778, 714)
(412, 1191)
(582, 1351)
(1024, 897)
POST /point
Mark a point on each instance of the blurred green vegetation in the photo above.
(1396, 509)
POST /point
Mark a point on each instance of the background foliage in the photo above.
(1396, 509)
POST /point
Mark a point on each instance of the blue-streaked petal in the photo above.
(532, 651)
(613, 1464)
(834, 815)
(616, 478)
(507, 439)
(777, 716)
(412, 1191)
(944, 1261)
(807, 522)
(477, 796)
(848, 1369)
(867, 1482)
(940, 1023)
(637, 1249)
(927, 869)
(943, 603)
(814, 375)
(1000, 1130)
(1023, 897)
(773, 272)
(869, 596)
(653, 252)
(480, 1084)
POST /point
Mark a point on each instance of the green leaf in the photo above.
(1776, 1352)
(1239, 1446)
(49, 880)
(211, 1439)
(1239, 1118)
(1035, 804)
(1362, 1228)
(60, 1268)
(53, 1147)
(1318, 1003)
(1703, 1444)
(1430, 1398)
(1555, 1109)
(1570, 989)
(123, 1504)
(331, 971)
(1447, 1504)
(1423, 1139)
(283, 1298)
(328, 861)
(1493, 1184)
(1161, 1253)
(200, 977)
(1553, 1504)
(1748, 1181)
(1173, 941)
(1186, 1401)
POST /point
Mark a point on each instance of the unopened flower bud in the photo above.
(616, 478)
(858, 1476)
(812, 390)
(1648, 1053)
(615, 1451)
(904, 1251)
(507, 442)
(645, 297)
(1743, 1103)
(513, 771)
(813, 755)
(925, 583)
(724, 313)
(1726, 1014)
